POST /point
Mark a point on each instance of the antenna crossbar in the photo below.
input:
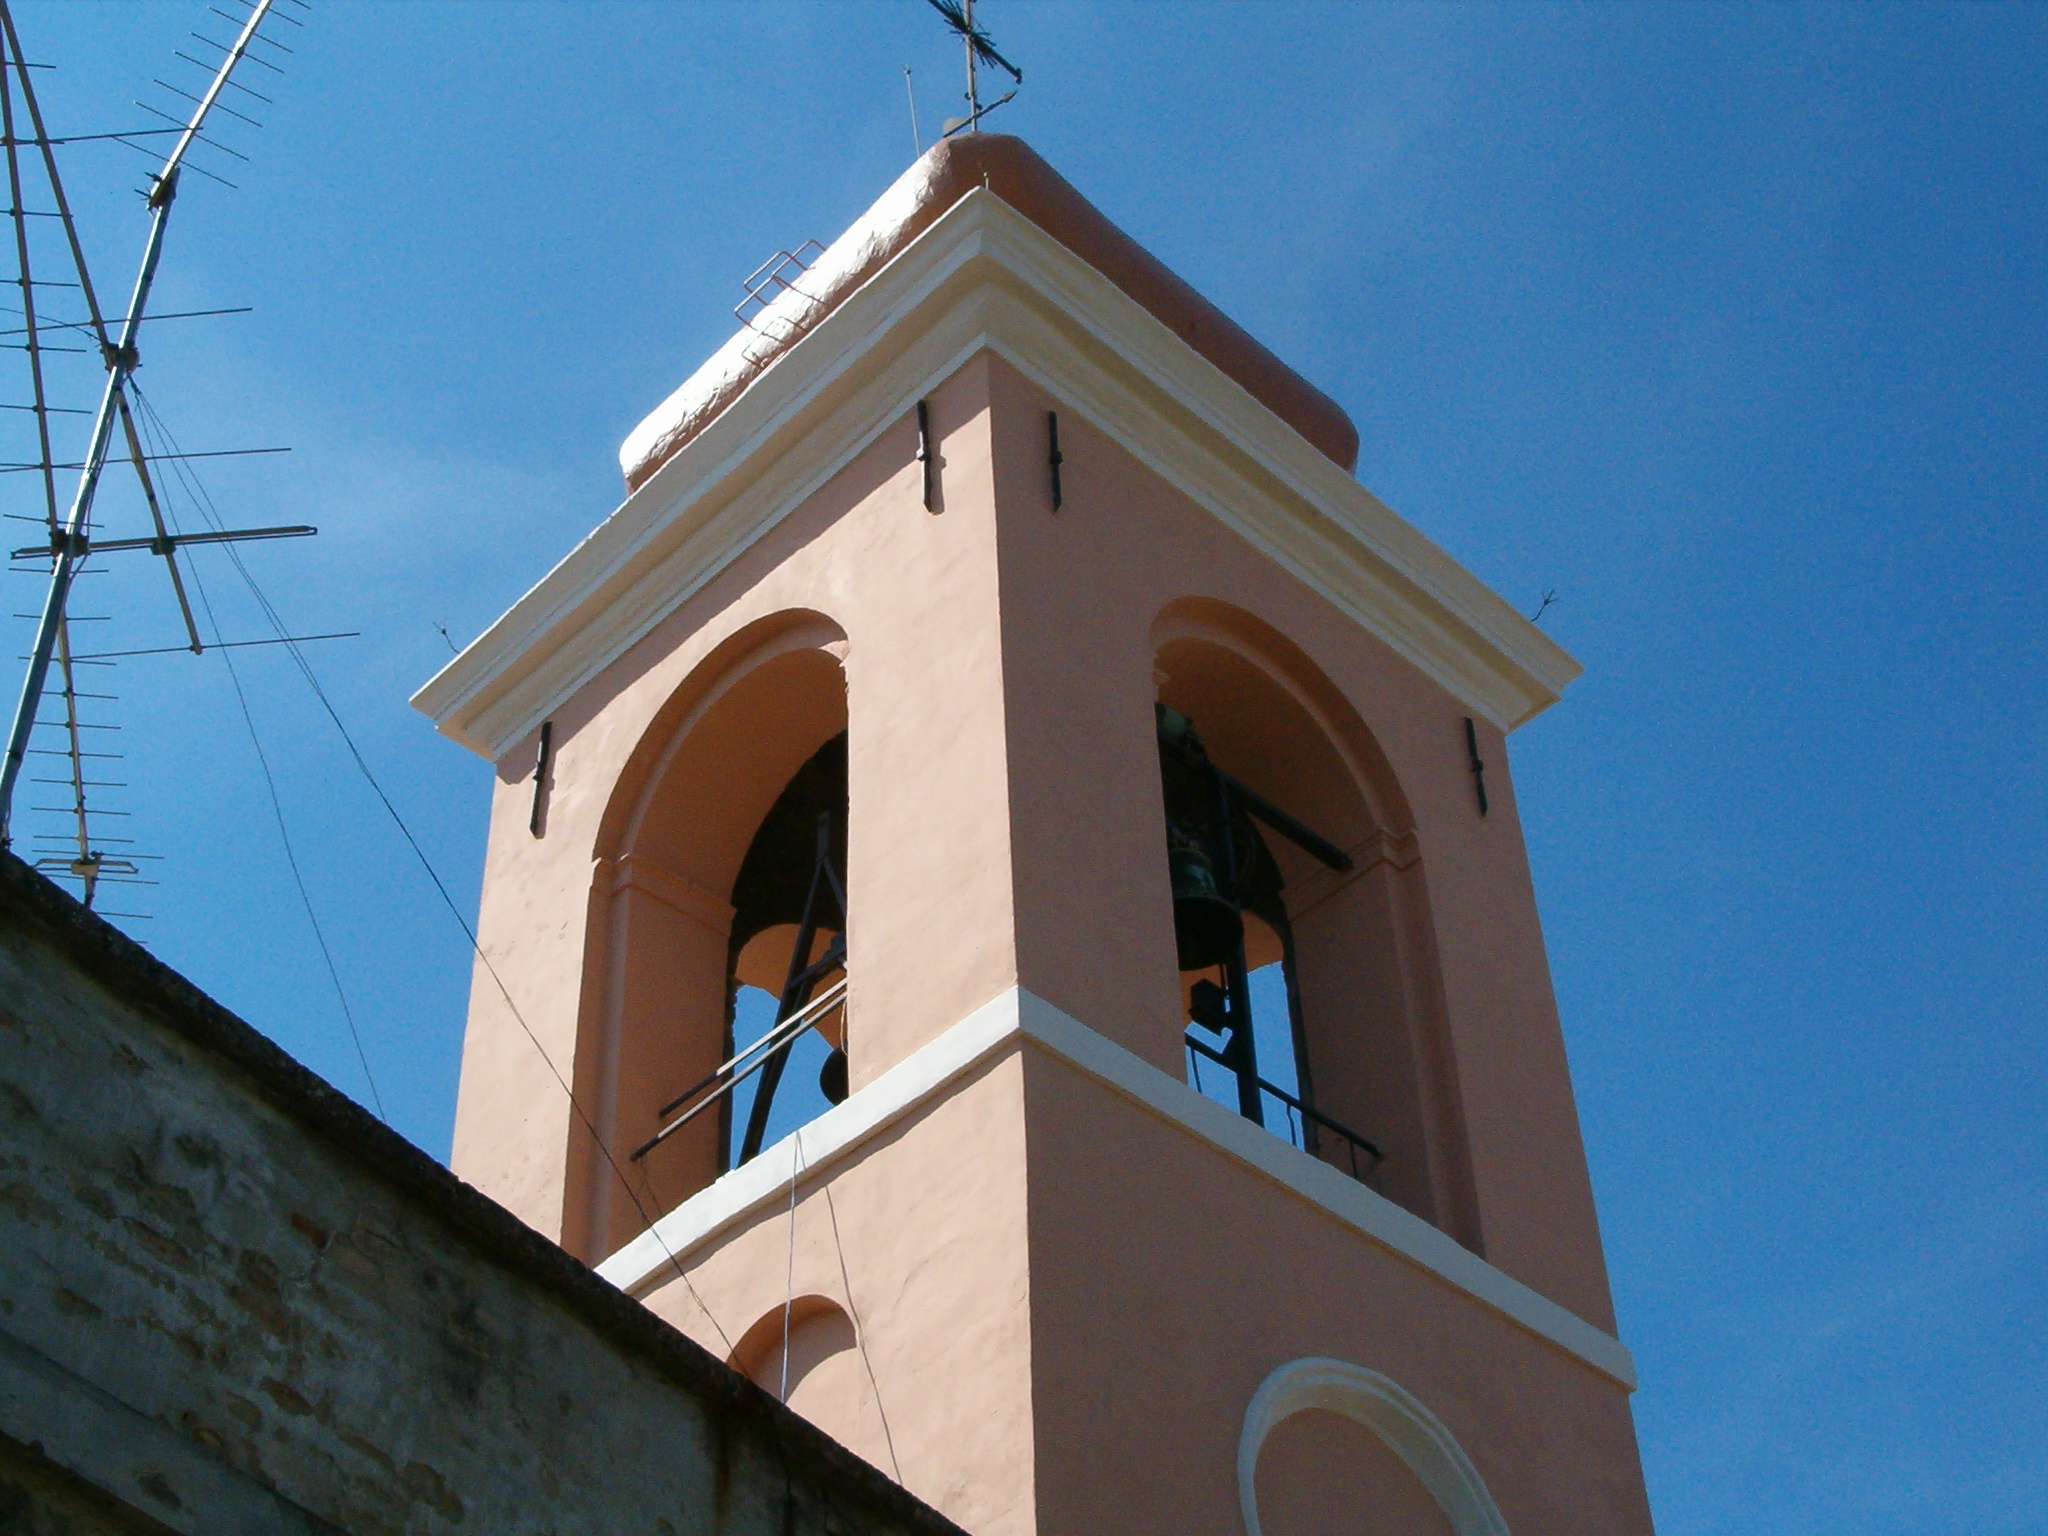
(218, 645)
(69, 543)
(165, 543)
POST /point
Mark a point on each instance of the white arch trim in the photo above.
(1366, 1397)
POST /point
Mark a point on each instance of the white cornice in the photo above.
(985, 277)
(1006, 1024)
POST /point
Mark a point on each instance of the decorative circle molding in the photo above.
(1366, 1397)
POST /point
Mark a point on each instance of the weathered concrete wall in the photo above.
(231, 1302)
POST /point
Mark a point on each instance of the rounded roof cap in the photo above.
(1016, 173)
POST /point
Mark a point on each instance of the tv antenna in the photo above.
(70, 540)
(980, 49)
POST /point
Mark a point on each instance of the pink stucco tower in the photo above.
(1187, 1143)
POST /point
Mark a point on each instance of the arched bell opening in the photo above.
(783, 1053)
(714, 825)
(1240, 968)
(1305, 947)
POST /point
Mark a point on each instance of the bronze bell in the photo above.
(832, 1077)
(1206, 926)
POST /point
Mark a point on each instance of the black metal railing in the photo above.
(1304, 1124)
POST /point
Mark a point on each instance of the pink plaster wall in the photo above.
(1321, 1474)
(1063, 1305)
(914, 594)
(922, 1238)
(1081, 590)
(1168, 1280)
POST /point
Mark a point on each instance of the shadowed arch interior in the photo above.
(1354, 946)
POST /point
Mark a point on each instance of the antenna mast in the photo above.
(980, 49)
(70, 541)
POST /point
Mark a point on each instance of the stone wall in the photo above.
(231, 1301)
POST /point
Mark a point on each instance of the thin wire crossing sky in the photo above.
(1723, 324)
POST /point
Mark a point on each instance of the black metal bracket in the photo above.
(1054, 457)
(542, 761)
(926, 456)
(1478, 765)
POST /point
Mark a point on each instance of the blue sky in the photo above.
(1725, 322)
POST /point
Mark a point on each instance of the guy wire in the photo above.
(182, 469)
(277, 809)
(796, 1168)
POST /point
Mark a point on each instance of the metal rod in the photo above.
(926, 456)
(88, 138)
(176, 314)
(178, 540)
(86, 864)
(541, 760)
(1243, 1047)
(973, 83)
(1371, 1148)
(220, 645)
(28, 303)
(1054, 457)
(1478, 766)
(155, 458)
(162, 544)
(202, 138)
(771, 1038)
(218, 106)
(1319, 848)
(796, 988)
(782, 1034)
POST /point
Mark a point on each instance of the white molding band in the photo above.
(1005, 1024)
(984, 277)
(1391, 1412)
(648, 1261)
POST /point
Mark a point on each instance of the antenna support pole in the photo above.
(121, 359)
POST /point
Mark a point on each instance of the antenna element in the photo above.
(70, 540)
(980, 49)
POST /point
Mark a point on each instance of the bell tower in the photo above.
(1007, 918)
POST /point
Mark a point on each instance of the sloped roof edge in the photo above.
(1015, 172)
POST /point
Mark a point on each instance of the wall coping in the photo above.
(114, 962)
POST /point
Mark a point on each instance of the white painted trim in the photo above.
(646, 1262)
(984, 277)
(1391, 1412)
(1004, 1024)
(1320, 1184)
